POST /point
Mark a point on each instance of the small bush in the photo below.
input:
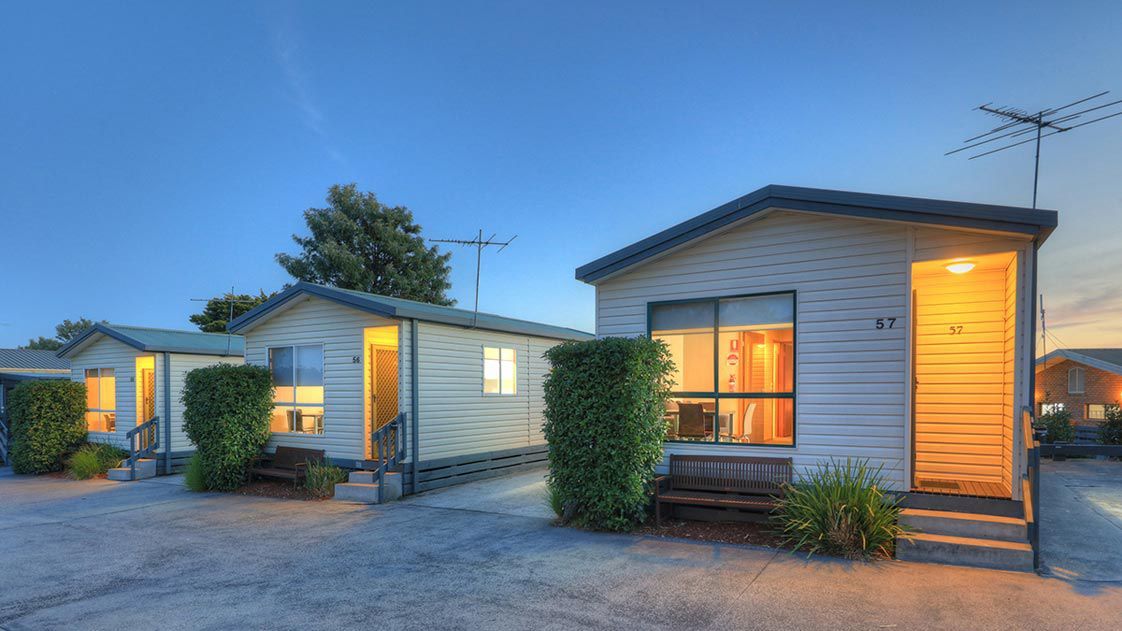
(193, 476)
(226, 415)
(48, 423)
(1111, 428)
(93, 459)
(322, 477)
(839, 509)
(553, 499)
(605, 400)
(1058, 426)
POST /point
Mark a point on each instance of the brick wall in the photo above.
(1100, 386)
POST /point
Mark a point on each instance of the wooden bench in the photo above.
(746, 483)
(288, 463)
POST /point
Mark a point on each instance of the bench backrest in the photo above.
(730, 474)
(289, 457)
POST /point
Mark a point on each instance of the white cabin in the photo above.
(822, 325)
(346, 363)
(134, 373)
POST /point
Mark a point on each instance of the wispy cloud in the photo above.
(287, 50)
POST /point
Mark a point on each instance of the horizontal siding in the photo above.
(456, 418)
(340, 330)
(850, 376)
(109, 353)
(181, 364)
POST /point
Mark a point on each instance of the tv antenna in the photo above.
(479, 242)
(231, 300)
(1018, 122)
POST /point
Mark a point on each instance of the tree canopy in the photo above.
(215, 315)
(64, 332)
(361, 244)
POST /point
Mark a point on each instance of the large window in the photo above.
(101, 400)
(499, 370)
(734, 379)
(298, 377)
(1075, 378)
(1097, 411)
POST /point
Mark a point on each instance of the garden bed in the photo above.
(279, 489)
(750, 533)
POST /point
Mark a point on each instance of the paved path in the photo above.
(104, 555)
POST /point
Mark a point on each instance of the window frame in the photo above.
(1082, 380)
(296, 404)
(1105, 406)
(483, 376)
(99, 409)
(716, 395)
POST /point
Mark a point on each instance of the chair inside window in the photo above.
(691, 420)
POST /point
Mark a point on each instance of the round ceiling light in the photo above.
(959, 266)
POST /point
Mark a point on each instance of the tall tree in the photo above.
(359, 243)
(216, 314)
(64, 332)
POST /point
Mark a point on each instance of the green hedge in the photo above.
(1058, 425)
(605, 400)
(1112, 426)
(48, 423)
(226, 416)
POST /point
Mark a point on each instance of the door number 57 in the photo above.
(886, 323)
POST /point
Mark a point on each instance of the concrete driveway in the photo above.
(1081, 517)
(104, 555)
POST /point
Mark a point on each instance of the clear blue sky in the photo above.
(151, 153)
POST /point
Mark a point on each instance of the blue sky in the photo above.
(151, 153)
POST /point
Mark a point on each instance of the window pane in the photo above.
(690, 419)
(686, 316)
(508, 377)
(490, 353)
(687, 329)
(280, 367)
(758, 312)
(108, 390)
(1096, 411)
(491, 375)
(757, 344)
(1049, 408)
(508, 354)
(92, 389)
(93, 422)
(759, 421)
(309, 365)
(281, 419)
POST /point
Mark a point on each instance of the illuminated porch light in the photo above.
(959, 266)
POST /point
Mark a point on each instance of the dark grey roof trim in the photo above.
(1036, 222)
(1076, 355)
(405, 310)
(109, 330)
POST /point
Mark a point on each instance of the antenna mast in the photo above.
(229, 298)
(479, 242)
(1019, 122)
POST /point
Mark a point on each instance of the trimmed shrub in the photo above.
(94, 459)
(193, 475)
(226, 415)
(1111, 428)
(840, 509)
(48, 423)
(1058, 426)
(321, 478)
(604, 406)
(553, 500)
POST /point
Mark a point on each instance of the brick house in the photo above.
(1084, 380)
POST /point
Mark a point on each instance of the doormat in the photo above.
(939, 484)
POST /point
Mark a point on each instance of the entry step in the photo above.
(145, 468)
(971, 551)
(976, 525)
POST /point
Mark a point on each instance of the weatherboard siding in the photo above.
(181, 364)
(109, 353)
(456, 418)
(851, 389)
(340, 330)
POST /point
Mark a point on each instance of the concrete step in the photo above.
(145, 468)
(363, 489)
(974, 525)
(971, 551)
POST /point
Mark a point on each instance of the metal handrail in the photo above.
(1030, 484)
(5, 437)
(143, 441)
(387, 444)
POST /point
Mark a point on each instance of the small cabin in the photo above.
(467, 385)
(134, 373)
(818, 325)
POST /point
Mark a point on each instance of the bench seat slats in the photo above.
(742, 482)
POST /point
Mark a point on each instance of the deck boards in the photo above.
(970, 488)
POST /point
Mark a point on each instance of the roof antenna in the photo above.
(1018, 122)
(479, 242)
(231, 300)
